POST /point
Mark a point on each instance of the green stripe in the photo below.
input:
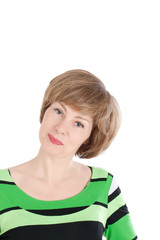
(121, 230)
(16, 218)
(115, 204)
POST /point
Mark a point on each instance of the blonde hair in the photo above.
(86, 93)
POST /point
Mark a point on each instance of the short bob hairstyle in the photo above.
(85, 93)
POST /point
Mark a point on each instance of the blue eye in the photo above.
(57, 109)
(76, 122)
(81, 124)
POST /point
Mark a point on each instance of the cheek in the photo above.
(42, 132)
(78, 139)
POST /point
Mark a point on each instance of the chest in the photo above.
(40, 190)
(55, 192)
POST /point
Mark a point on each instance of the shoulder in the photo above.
(3, 171)
(111, 181)
(4, 174)
(101, 172)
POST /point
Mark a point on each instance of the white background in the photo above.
(119, 42)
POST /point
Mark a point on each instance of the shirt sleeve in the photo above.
(118, 225)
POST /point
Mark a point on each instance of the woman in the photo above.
(54, 197)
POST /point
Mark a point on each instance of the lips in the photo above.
(55, 140)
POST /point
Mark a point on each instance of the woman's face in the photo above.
(64, 124)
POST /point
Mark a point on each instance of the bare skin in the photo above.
(52, 174)
(39, 189)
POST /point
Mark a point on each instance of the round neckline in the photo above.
(75, 197)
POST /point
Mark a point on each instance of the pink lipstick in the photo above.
(54, 140)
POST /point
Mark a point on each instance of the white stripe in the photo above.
(113, 186)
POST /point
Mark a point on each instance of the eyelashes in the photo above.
(76, 122)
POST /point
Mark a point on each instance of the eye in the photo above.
(76, 122)
(57, 109)
(81, 124)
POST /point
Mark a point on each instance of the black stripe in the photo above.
(102, 204)
(121, 212)
(114, 194)
(79, 230)
(106, 226)
(54, 212)
(9, 209)
(110, 175)
(48, 212)
(9, 172)
(98, 179)
(7, 182)
(135, 238)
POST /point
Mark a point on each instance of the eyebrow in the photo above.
(75, 116)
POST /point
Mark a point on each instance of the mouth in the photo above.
(54, 140)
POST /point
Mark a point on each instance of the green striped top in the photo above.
(97, 212)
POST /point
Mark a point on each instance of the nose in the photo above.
(61, 127)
